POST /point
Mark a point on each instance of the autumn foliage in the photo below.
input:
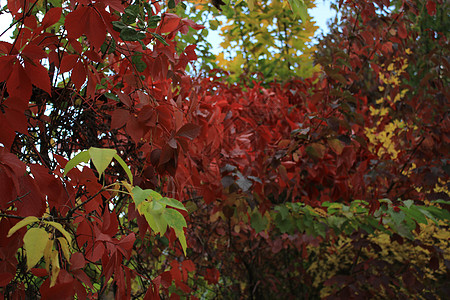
(124, 175)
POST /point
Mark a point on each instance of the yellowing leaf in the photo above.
(34, 243)
(83, 156)
(336, 145)
(153, 213)
(299, 9)
(48, 254)
(174, 219)
(22, 223)
(173, 203)
(251, 4)
(61, 229)
(55, 268)
(101, 158)
(124, 167)
(65, 248)
(182, 238)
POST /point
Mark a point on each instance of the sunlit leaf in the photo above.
(83, 156)
(124, 167)
(21, 224)
(61, 229)
(34, 243)
(172, 202)
(101, 158)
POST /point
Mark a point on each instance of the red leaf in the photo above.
(16, 118)
(6, 278)
(188, 265)
(153, 289)
(39, 272)
(77, 261)
(15, 5)
(125, 99)
(135, 129)
(431, 7)
(78, 75)
(58, 292)
(114, 4)
(175, 272)
(30, 201)
(6, 64)
(68, 63)
(76, 21)
(212, 276)
(7, 134)
(110, 223)
(7, 188)
(434, 262)
(192, 24)
(167, 153)
(401, 31)
(127, 243)
(169, 23)
(51, 17)
(95, 29)
(18, 84)
(190, 131)
(190, 52)
(39, 76)
(119, 118)
(34, 52)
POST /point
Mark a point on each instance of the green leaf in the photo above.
(129, 34)
(124, 167)
(285, 225)
(416, 215)
(61, 229)
(153, 21)
(258, 222)
(182, 238)
(439, 213)
(34, 243)
(83, 156)
(111, 96)
(174, 219)
(132, 10)
(214, 24)
(118, 26)
(22, 223)
(101, 158)
(408, 203)
(159, 38)
(138, 62)
(171, 4)
(283, 210)
(299, 9)
(139, 195)
(172, 202)
(397, 217)
(154, 217)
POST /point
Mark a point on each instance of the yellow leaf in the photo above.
(23, 223)
(34, 243)
(61, 229)
(48, 254)
(65, 248)
(251, 4)
(55, 268)
(336, 145)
